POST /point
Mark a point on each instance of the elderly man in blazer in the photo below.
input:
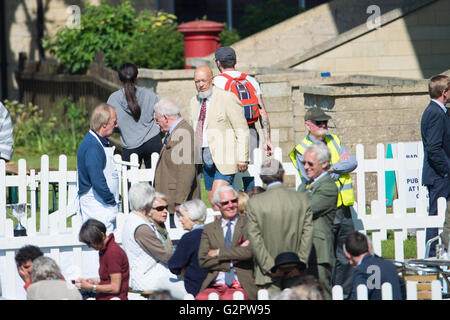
(435, 130)
(225, 251)
(279, 220)
(221, 130)
(322, 193)
(176, 173)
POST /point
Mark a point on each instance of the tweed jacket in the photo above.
(279, 220)
(214, 238)
(176, 173)
(226, 130)
(322, 196)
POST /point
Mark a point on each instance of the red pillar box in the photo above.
(201, 38)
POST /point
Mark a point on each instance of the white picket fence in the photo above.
(57, 234)
(361, 292)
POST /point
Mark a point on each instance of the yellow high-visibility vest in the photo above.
(344, 183)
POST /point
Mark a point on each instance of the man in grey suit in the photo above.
(279, 220)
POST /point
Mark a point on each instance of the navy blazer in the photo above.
(186, 256)
(373, 271)
(435, 131)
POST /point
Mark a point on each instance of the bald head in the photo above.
(203, 78)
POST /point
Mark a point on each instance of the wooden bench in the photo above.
(423, 284)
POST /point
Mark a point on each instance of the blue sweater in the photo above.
(186, 256)
(91, 160)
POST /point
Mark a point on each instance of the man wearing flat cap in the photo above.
(225, 58)
(341, 164)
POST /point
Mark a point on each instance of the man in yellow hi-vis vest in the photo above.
(342, 163)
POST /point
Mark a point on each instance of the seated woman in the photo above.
(192, 215)
(147, 243)
(114, 268)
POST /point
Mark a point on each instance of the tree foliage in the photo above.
(146, 39)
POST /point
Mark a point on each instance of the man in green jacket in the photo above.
(322, 194)
(279, 220)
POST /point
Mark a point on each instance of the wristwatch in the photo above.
(94, 288)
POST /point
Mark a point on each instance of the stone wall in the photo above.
(366, 110)
(413, 46)
(301, 33)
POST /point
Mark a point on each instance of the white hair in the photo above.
(322, 152)
(195, 209)
(141, 196)
(166, 107)
(159, 195)
(216, 198)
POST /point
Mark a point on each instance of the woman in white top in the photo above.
(147, 244)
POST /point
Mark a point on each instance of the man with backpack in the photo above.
(247, 89)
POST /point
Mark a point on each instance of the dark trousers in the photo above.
(342, 273)
(440, 188)
(145, 151)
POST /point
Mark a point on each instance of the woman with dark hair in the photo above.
(114, 269)
(134, 106)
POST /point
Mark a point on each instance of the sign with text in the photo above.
(412, 182)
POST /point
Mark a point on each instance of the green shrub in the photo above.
(123, 35)
(35, 135)
(228, 37)
(155, 44)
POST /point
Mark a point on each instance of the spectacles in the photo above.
(160, 208)
(224, 203)
(308, 162)
(320, 122)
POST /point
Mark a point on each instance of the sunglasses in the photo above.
(320, 122)
(308, 162)
(224, 203)
(160, 208)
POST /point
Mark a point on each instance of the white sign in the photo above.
(413, 180)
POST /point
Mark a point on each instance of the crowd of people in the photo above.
(296, 244)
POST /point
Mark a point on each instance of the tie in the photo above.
(165, 138)
(229, 276)
(201, 121)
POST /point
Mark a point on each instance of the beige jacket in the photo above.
(226, 130)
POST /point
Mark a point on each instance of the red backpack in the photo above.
(245, 91)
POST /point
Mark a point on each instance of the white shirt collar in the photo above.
(440, 105)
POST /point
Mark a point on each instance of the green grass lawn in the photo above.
(34, 161)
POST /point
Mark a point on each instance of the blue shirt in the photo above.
(91, 160)
(174, 125)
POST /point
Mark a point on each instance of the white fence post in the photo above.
(386, 291)
(337, 292)
(263, 294)
(411, 290)
(361, 292)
